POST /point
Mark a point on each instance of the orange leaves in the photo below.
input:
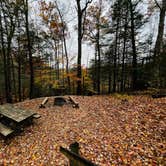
(50, 18)
(53, 24)
(45, 18)
(99, 127)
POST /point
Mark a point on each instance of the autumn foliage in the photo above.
(111, 130)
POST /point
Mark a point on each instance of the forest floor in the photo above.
(111, 130)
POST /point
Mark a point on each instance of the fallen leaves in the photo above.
(110, 132)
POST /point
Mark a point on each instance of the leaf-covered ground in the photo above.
(111, 130)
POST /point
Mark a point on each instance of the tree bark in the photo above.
(19, 71)
(31, 92)
(115, 57)
(79, 73)
(159, 40)
(158, 45)
(80, 12)
(124, 52)
(95, 70)
(98, 48)
(65, 49)
(99, 61)
(134, 60)
(110, 74)
(4, 58)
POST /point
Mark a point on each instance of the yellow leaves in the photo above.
(86, 131)
(125, 161)
(56, 146)
(121, 96)
(45, 18)
(50, 17)
(34, 157)
(81, 140)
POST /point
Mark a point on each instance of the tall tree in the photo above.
(125, 37)
(134, 52)
(159, 43)
(65, 45)
(81, 15)
(159, 40)
(116, 18)
(94, 26)
(8, 15)
(55, 30)
(26, 12)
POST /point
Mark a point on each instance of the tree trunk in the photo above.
(98, 47)
(9, 99)
(159, 39)
(19, 71)
(110, 74)
(31, 92)
(115, 57)
(95, 71)
(14, 79)
(65, 49)
(134, 61)
(80, 12)
(124, 52)
(19, 79)
(158, 44)
(4, 58)
(79, 73)
(98, 62)
(58, 72)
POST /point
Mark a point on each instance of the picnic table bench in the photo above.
(5, 131)
(12, 118)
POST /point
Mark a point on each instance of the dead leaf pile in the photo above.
(110, 131)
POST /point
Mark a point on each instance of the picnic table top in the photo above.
(15, 113)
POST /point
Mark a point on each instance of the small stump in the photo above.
(59, 101)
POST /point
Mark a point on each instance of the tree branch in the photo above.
(157, 4)
(86, 5)
(83, 26)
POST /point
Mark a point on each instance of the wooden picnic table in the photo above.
(16, 115)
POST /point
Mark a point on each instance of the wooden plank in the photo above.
(77, 160)
(42, 105)
(75, 104)
(14, 113)
(36, 116)
(4, 130)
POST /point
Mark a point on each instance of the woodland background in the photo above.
(36, 62)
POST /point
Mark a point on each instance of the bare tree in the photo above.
(65, 46)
